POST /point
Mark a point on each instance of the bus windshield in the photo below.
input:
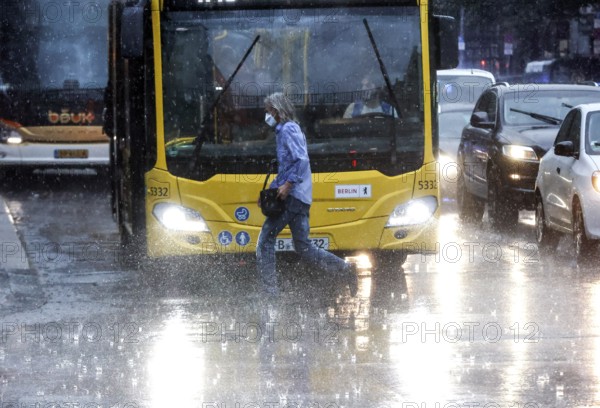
(219, 66)
(54, 64)
(56, 45)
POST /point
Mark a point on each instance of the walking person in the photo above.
(294, 184)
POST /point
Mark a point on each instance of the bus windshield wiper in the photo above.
(388, 85)
(201, 138)
(544, 118)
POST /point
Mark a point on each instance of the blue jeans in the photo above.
(295, 215)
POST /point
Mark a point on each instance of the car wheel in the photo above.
(585, 248)
(470, 208)
(547, 239)
(502, 213)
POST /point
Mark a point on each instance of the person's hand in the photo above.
(284, 190)
(258, 202)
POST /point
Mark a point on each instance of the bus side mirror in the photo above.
(445, 35)
(132, 32)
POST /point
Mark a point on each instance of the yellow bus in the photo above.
(190, 149)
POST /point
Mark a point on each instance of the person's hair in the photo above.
(282, 105)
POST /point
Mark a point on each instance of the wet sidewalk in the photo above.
(17, 280)
(12, 253)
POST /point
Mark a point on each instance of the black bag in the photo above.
(270, 205)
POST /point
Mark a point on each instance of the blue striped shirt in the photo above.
(293, 163)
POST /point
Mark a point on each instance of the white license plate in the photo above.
(287, 244)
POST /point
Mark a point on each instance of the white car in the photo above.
(568, 185)
(458, 90)
(462, 85)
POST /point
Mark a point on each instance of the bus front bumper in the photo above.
(356, 237)
(34, 155)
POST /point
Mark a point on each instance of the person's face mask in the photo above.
(270, 120)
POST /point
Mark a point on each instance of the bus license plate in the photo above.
(71, 154)
(287, 244)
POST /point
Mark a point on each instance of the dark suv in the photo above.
(511, 128)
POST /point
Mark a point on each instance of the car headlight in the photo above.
(414, 212)
(596, 180)
(519, 152)
(177, 218)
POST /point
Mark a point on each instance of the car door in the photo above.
(476, 143)
(547, 175)
(559, 173)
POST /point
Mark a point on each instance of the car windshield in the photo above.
(593, 133)
(462, 88)
(554, 104)
(219, 67)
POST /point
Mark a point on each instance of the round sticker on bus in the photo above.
(225, 238)
(242, 213)
(242, 238)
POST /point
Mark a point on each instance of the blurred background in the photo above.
(560, 37)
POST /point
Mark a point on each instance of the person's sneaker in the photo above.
(352, 279)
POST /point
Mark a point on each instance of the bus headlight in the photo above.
(177, 218)
(414, 212)
(9, 136)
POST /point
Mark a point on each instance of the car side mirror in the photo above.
(481, 120)
(565, 148)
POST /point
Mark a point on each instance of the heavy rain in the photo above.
(454, 173)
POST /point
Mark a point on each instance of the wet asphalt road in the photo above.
(484, 323)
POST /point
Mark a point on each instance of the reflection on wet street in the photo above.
(486, 322)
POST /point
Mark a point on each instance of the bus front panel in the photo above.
(356, 78)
